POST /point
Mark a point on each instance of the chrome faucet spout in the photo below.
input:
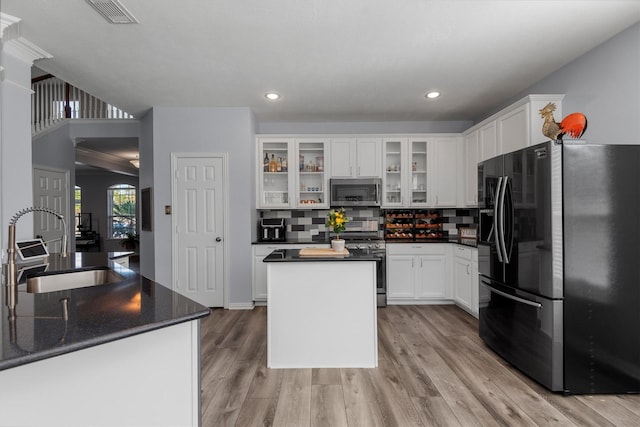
(12, 270)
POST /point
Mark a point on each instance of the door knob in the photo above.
(218, 239)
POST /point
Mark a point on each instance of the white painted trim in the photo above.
(411, 301)
(241, 305)
(9, 27)
(25, 51)
(226, 234)
(58, 124)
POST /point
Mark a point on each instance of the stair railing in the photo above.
(55, 100)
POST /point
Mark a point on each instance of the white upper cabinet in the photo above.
(356, 157)
(488, 140)
(292, 173)
(394, 163)
(446, 154)
(275, 180)
(471, 154)
(311, 177)
(513, 129)
(421, 171)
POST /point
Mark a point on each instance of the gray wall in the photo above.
(213, 130)
(55, 148)
(603, 84)
(145, 176)
(94, 187)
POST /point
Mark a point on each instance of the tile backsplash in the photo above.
(310, 225)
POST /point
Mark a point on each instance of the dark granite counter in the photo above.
(457, 240)
(96, 315)
(293, 255)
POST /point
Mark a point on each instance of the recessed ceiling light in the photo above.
(272, 96)
(432, 95)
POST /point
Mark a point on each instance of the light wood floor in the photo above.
(433, 371)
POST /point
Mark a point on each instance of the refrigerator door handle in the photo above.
(497, 211)
(502, 244)
(511, 221)
(513, 297)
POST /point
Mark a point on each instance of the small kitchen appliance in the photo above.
(272, 230)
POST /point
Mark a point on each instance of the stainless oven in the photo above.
(364, 236)
(377, 249)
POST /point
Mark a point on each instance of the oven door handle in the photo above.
(515, 298)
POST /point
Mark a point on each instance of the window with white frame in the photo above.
(122, 210)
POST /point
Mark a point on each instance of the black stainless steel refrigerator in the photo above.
(559, 264)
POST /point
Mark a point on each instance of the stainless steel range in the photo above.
(364, 236)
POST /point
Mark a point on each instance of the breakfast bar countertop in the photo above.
(96, 315)
(293, 255)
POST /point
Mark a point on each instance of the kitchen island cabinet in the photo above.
(127, 353)
(321, 311)
(259, 270)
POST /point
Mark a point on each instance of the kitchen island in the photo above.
(114, 354)
(321, 310)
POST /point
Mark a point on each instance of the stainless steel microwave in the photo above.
(355, 192)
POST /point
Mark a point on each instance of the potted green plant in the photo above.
(337, 220)
(130, 242)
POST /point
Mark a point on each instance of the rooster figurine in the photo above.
(574, 124)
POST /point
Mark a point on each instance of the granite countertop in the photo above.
(458, 240)
(97, 314)
(293, 255)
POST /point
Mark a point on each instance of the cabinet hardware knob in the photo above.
(218, 239)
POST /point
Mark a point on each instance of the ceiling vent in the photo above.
(113, 11)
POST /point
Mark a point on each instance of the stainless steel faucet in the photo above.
(12, 269)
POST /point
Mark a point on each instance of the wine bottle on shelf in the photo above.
(279, 165)
(266, 163)
(272, 163)
(284, 164)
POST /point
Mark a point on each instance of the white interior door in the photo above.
(50, 190)
(198, 219)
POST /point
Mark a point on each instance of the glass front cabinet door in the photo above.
(418, 172)
(275, 180)
(312, 179)
(394, 171)
(405, 172)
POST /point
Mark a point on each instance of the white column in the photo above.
(16, 58)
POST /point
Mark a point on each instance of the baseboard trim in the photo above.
(241, 306)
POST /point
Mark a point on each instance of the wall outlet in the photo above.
(314, 232)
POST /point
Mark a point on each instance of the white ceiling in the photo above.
(358, 60)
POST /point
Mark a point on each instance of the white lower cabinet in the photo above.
(419, 273)
(465, 283)
(260, 251)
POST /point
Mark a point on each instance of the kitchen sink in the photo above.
(50, 282)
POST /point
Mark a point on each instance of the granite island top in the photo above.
(457, 240)
(96, 314)
(293, 255)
